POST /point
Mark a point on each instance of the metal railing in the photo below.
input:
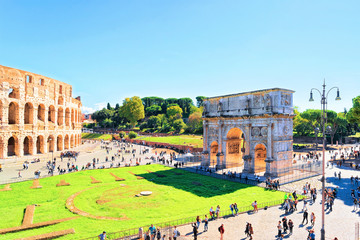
(132, 234)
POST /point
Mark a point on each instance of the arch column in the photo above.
(247, 156)
(34, 149)
(269, 158)
(21, 145)
(220, 154)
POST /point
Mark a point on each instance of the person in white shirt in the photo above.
(176, 233)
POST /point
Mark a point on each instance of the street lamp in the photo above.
(324, 97)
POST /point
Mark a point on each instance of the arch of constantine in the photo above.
(37, 114)
(252, 129)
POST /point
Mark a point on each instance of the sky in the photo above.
(110, 50)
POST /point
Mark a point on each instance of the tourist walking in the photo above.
(254, 204)
(305, 217)
(279, 228)
(158, 234)
(176, 233)
(217, 211)
(198, 220)
(355, 204)
(285, 224)
(291, 226)
(247, 229)
(195, 230)
(206, 223)
(305, 206)
(312, 219)
(222, 231)
(251, 231)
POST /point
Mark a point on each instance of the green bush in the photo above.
(132, 135)
(122, 134)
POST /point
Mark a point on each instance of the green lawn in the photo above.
(193, 140)
(96, 136)
(176, 194)
(357, 135)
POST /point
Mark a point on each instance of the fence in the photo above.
(166, 227)
(235, 172)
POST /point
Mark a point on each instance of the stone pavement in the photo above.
(339, 223)
(88, 151)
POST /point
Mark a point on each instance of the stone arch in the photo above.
(13, 113)
(13, 146)
(28, 113)
(41, 112)
(235, 146)
(60, 120)
(60, 100)
(72, 115)
(51, 143)
(214, 147)
(60, 143)
(72, 141)
(51, 114)
(40, 144)
(28, 145)
(67, 117)
(67, 142)
(259, 158)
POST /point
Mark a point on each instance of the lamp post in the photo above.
(324, 96)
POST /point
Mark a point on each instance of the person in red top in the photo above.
(221, 230)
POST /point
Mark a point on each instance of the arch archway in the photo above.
(13, 113)
(67, 117)
(59, 143)
(13, 146)
(51, 114)
(28, 113)
(51, 143)
(235, 145)
(213, 151)
(67, 142)
(60, 100)
(40, 144)
(60, 120)
(28, 145)
(260, 156)
(41, 112)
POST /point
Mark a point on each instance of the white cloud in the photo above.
(100, 105)
(87, 110)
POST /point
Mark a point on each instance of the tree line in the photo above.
(153, 114)
(337, 125)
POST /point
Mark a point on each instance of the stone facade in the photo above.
(37, 114)
(251, 129)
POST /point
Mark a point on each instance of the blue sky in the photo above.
(109, 50)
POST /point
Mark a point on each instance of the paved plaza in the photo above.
(340, 222)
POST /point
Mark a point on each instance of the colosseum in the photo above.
(37, 114)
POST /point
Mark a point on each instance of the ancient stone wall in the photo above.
(37, 114)
(252, 129)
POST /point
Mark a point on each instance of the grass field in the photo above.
(96, 136)
(174, 190)
(193, 140)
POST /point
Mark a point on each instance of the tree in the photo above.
(199, 100)
(107, 123)
(178, 125)
(195, 123)
(117, 106)
(353, 115)
(153, 110)
(154, 122)
(174, 112)
(185, 104)
(132, 135)
(109, 107)
(133, 110)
